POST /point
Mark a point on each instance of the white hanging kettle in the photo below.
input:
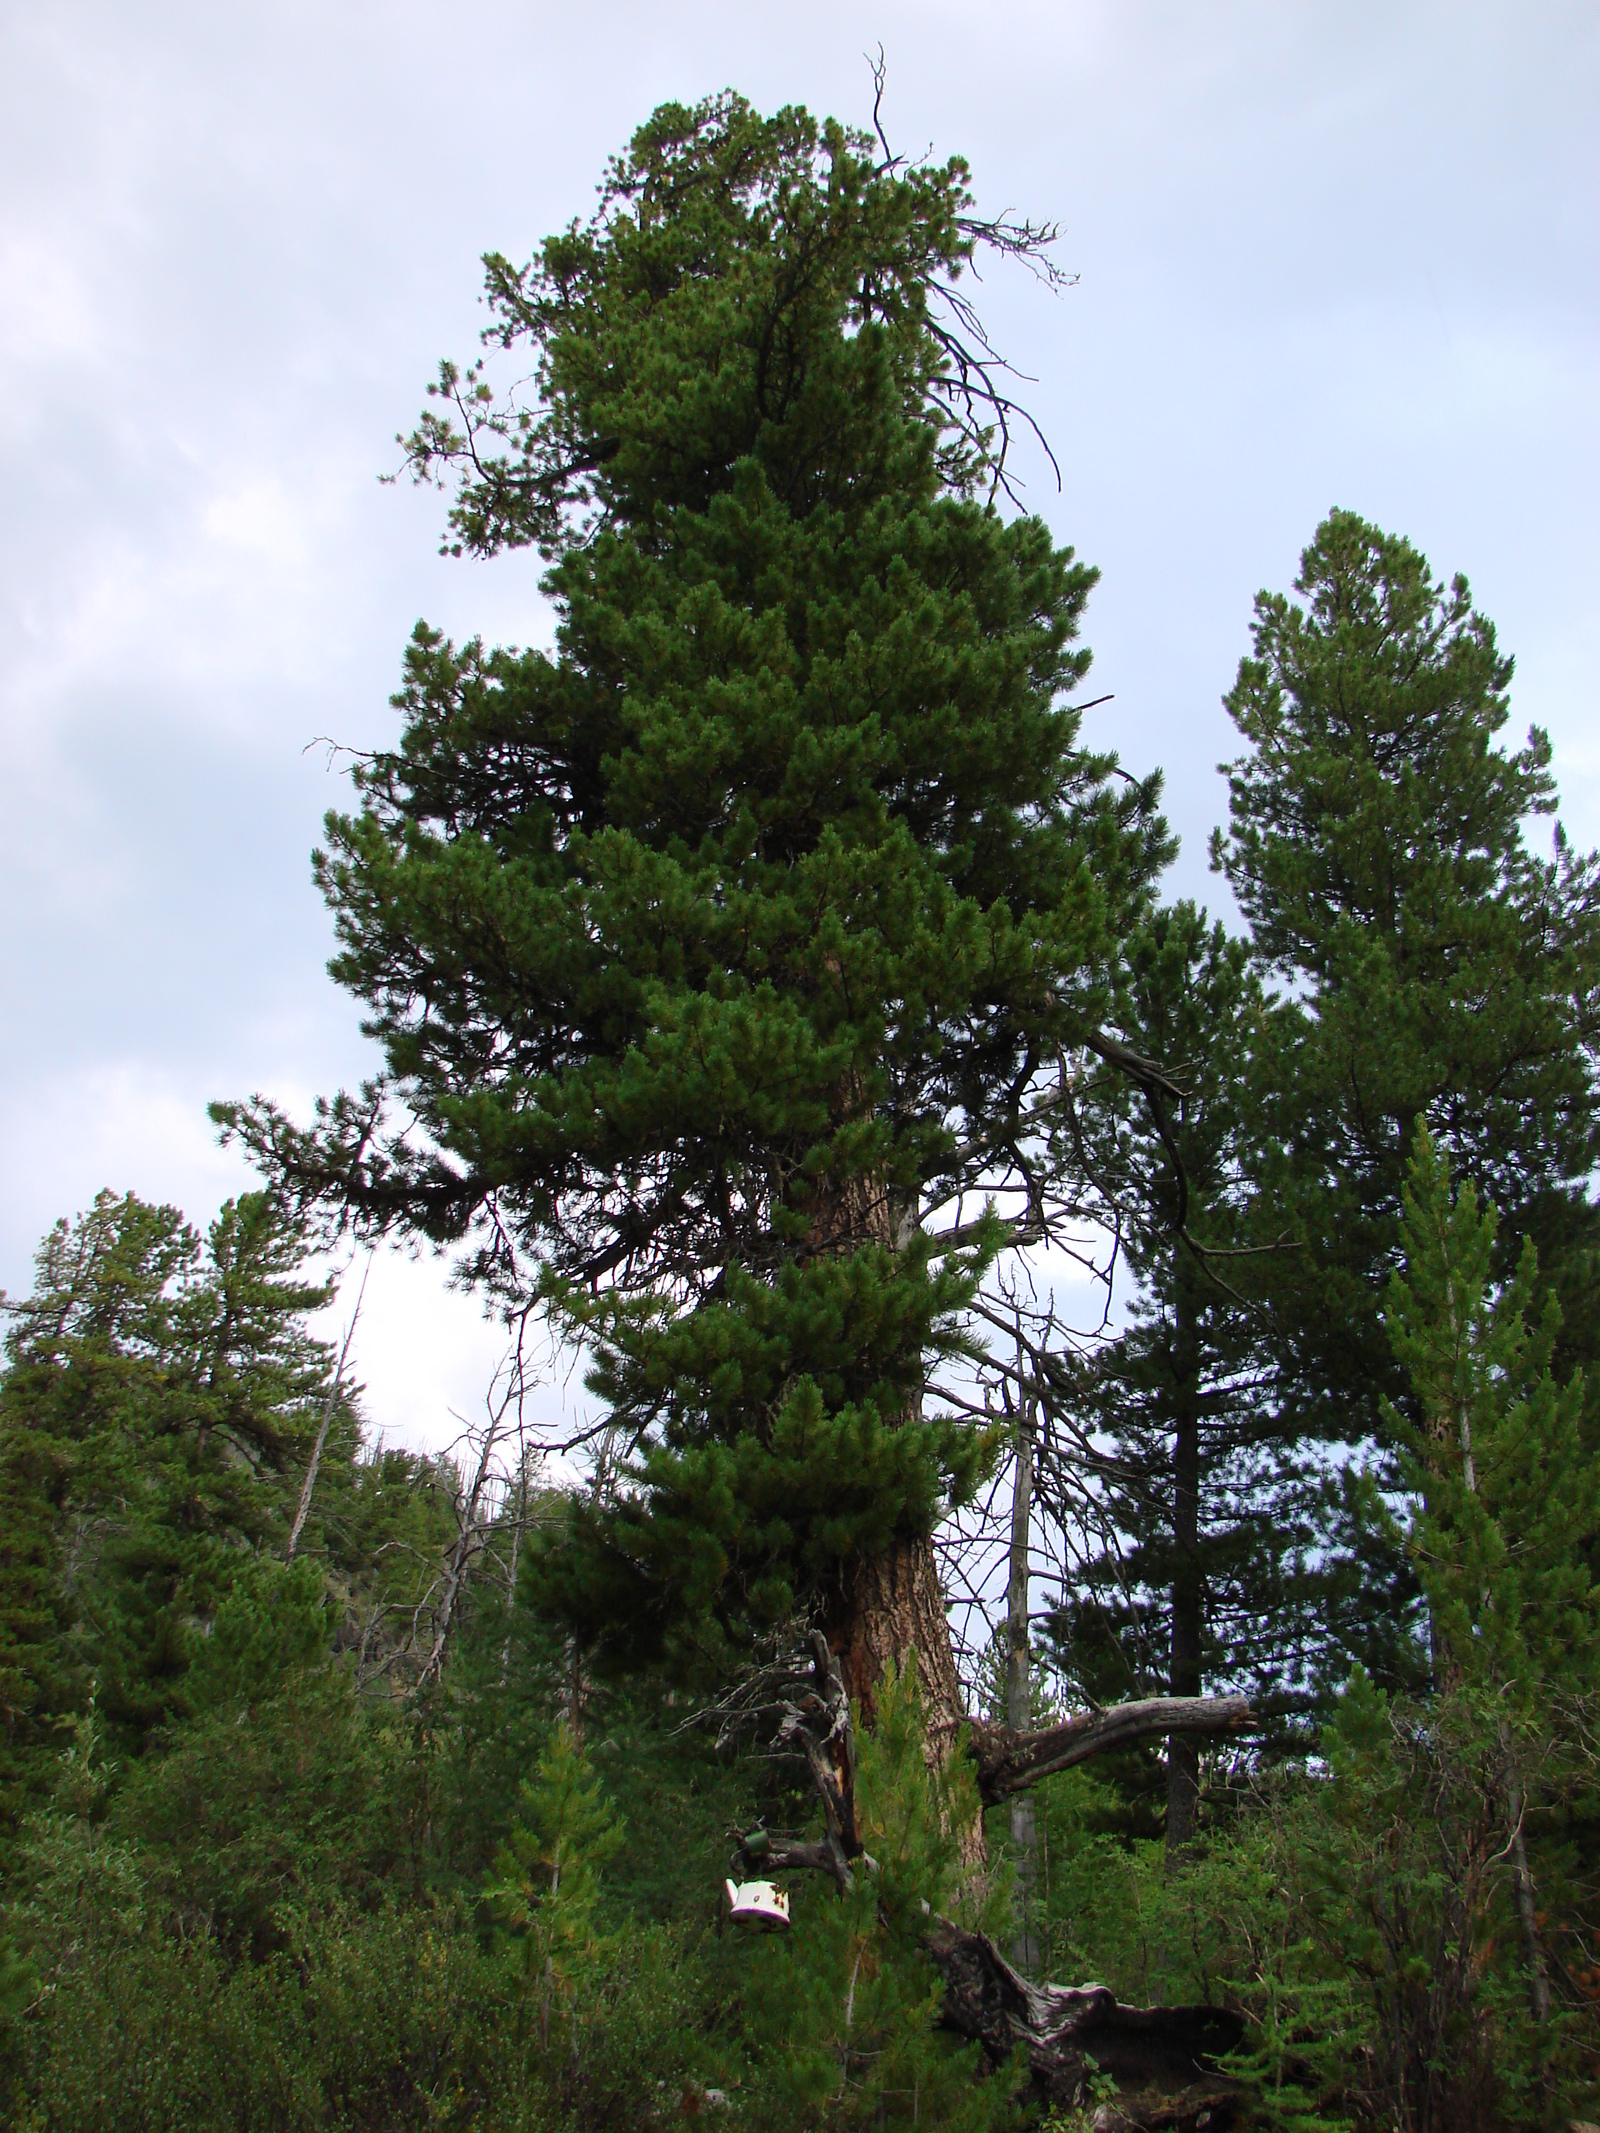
(759, 1905)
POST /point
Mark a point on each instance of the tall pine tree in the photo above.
(1204, 1521)
(1433, 965)
(713, 949)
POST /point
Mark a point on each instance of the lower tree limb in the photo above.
(1008, 1761)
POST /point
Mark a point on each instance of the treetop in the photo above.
(747, 287)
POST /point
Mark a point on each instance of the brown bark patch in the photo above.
(891, 1604)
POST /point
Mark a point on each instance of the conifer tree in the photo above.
(1434, 966)
(1203, 1518)
(156, 1394)
(1508, 1489)
(1508, 1485)
(546, 1878)
(713, 948)
(1221, 1543)
(1437, 1872)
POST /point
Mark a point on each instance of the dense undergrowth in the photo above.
(302, 1913)
(268, 1865)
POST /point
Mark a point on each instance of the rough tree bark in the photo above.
(886, 1605)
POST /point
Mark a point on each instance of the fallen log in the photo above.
(1078, 2036)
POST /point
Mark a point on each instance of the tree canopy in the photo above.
(709, 949)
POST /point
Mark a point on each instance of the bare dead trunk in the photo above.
(1188, 1597)
(1025, 1951)
(313, 1465)
(463, 1551)
(577, 1691)
(511, 1568)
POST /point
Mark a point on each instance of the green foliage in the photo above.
(1437, 968)
(736, 913)
(157, 1394)
(1508, 1478)
(254, 1812)
(843, 2010)
(247, 1931)
(275, 1621)
(358, 2022)
(546, 1879)
(1408, 1881)
(396, 2019)
(1230, 1927)
(1357, 1919)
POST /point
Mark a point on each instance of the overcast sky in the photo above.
(1327, 255)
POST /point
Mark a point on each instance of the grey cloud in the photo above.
(1328, 255)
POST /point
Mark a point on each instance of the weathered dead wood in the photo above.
(1159, 2057)
(313, 1465)
(1009, 1760)
(801, 1711)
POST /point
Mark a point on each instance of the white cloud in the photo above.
(261, 518)
(428, 1358)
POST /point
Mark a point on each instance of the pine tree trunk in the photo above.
(1188, 1597)
(888, 1605)
(1528, 1915)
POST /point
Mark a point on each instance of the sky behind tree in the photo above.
(1327, 255)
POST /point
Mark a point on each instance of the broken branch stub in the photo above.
(800, 1710)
